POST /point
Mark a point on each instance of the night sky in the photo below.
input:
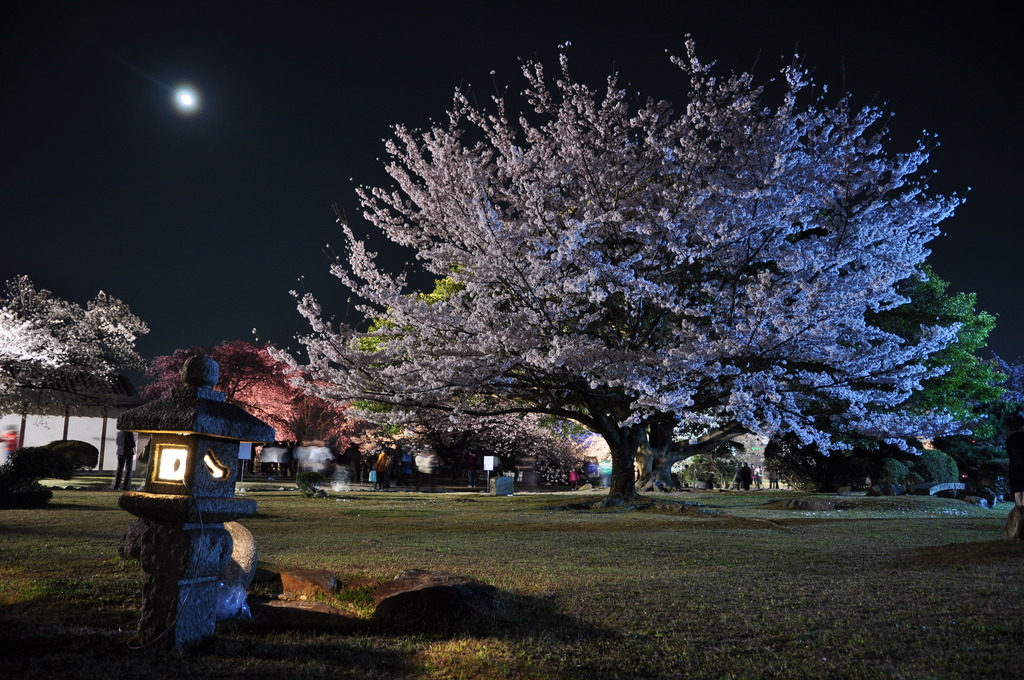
(203, 224)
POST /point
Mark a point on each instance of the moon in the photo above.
(186, 100)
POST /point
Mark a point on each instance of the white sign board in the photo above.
(489, 462)
(244, 451)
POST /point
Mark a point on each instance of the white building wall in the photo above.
(41, 430)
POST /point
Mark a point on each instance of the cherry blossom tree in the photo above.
(965, 383)
(629, 265)
(51, 344)
(1014, 383)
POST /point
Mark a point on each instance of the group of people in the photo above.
(753, 477)
(404, 465)
(748, 477)
(421, 465)
(596, 473)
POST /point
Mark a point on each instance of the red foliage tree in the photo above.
(252, 378)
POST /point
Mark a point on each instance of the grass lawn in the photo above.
(914, 587)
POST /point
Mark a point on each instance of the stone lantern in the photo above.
(188, 495)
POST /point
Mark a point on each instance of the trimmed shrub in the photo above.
(83, 455)
(936, 466)
(894, 471)
(309, 481)
(20, 475)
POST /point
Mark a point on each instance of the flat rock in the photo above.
(887, 490)
(422, 594)
(297, 583)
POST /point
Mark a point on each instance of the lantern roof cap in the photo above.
(196, 408)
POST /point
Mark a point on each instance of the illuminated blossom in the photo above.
(624, 263)
(49, 343)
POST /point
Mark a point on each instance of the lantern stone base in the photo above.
(181, 564)
(184, 550)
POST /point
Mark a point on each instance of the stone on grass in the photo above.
(989, 495)
(1014, 530)
(887, 490)
(418, 594)
(242, 566)
(501, 486)
(303, 583)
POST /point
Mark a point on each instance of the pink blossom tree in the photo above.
(252, 378)
(631, 265)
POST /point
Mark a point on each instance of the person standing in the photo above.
(125, 455)
(744, 477)
(404, 467)
(605, 470)
(9, 443)
(382, 468)
(1015, 452)
(426, 467)
(471, 468)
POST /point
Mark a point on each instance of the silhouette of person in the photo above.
(125, 454)
(471, 468)
(744, 477)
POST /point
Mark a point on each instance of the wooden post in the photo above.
(103, 438)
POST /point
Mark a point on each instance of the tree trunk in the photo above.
(661, 448)
(662, 478)
(646, 461)
(624, 442)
